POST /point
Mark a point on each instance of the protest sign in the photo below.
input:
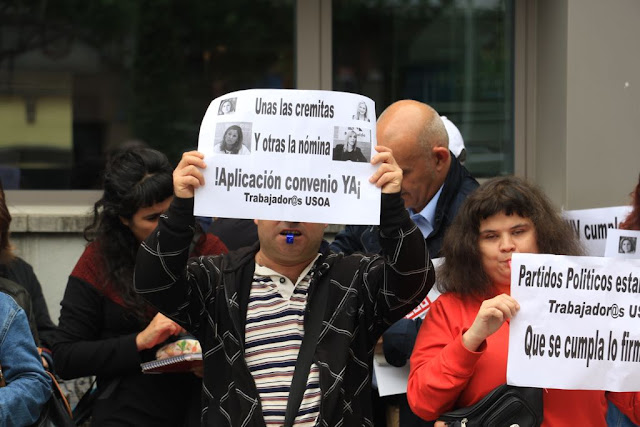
(622, 244)
(591, 225)
(421, 310)
(577, 324)
(393, 380)
(294, 155)
(390, 379)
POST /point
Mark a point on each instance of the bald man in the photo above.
(434, 185)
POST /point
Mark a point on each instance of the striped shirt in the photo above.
(273, 336)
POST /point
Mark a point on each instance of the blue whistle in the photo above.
(290, 238)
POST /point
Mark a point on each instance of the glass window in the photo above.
(455, 55)
(81, 78)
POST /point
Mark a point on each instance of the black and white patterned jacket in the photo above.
(209, 298)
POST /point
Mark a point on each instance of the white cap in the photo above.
(456, 143)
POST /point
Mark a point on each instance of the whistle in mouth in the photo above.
(290, 238)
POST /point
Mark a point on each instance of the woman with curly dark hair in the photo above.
(461, 351)
(463, 271)
(105, 328)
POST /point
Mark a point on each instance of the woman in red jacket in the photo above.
(461, 351)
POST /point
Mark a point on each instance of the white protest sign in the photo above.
(421, 310)
(393, 380)
(577, 327)
(591, 225)
(294, 155)
(390, 379)
(622, 244)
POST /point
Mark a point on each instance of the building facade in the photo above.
(544, 89)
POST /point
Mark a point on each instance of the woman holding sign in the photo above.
(461, 351)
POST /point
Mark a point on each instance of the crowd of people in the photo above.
(288, 323)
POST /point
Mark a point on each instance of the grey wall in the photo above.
(52, 256)
(587, 141)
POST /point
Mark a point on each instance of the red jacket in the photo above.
(445, 375)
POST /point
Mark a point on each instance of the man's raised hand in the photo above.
(188, 175)
(388, 177)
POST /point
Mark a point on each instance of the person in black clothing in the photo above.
(255, 309)
(434, 185)
(106, 329)
(19, 271)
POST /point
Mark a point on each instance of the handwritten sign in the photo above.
(294, 155)
(577, 324)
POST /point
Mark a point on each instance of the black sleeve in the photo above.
(161, 275)
(406, 275)
(80, 349)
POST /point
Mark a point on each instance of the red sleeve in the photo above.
(628, 403)
(441, 365)
(208, 244)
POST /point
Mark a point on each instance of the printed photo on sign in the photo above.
(361, 112)
(627, 245)
(577, 324)
(286, 140)
(227, 106)
(232, 138)
(351, 144)
(622, 244)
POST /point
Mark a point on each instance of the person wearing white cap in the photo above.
(456, 143)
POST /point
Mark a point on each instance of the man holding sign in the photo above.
(251, 309)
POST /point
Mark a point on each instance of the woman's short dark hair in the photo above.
(134, 178)
(6, 252)
(462, 271)
(238, 145)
